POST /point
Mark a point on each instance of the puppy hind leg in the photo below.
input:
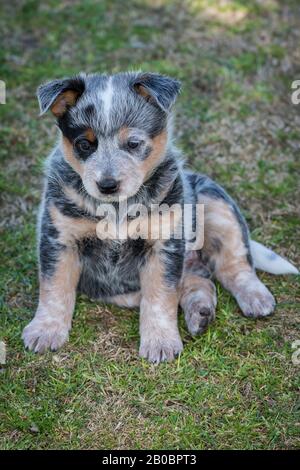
(226, 245)
(198, 298)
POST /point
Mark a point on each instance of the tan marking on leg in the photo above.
(52, 322)
(71, 229)
(198, 300)
(191, 260)
(131, 300)
(230, 261)
(71, 158)
(60, 288)
(221, 224)
(198, 297)
(160, 339)
(192, 283)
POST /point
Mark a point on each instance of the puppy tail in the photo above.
(268, 261)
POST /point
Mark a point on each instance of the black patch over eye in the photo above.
(133, 144)
(84, 147)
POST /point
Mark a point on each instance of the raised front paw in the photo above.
(45, 333)
(198, 316)
(158, 349)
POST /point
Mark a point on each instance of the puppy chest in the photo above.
(109, 267)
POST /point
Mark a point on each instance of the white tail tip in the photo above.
(268, 261)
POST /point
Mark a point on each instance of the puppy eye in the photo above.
(133, 144)
(83, 145)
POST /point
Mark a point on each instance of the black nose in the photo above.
(108, 185)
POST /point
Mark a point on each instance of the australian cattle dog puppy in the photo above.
(116, 144)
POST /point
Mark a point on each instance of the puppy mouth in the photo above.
(110, 197)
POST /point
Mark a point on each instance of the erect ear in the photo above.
(59, 95)
(157, 89)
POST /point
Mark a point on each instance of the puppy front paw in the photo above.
(158, 349)
(45, 333)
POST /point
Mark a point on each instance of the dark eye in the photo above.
(83, 145)
(133, 144)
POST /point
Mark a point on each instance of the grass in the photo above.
(235, 387)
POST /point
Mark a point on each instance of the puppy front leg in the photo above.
(50, 327)
(160, 339)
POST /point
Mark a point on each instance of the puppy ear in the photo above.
(59, 95)
(157, 89)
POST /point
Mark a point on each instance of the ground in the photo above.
(235, 387)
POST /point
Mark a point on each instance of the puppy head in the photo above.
(115, 129)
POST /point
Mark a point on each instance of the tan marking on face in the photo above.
(66, 99)
(220, 223)
(159, 144)
(123, 134)
(89, 134)
(71, 157)
(71, 229)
